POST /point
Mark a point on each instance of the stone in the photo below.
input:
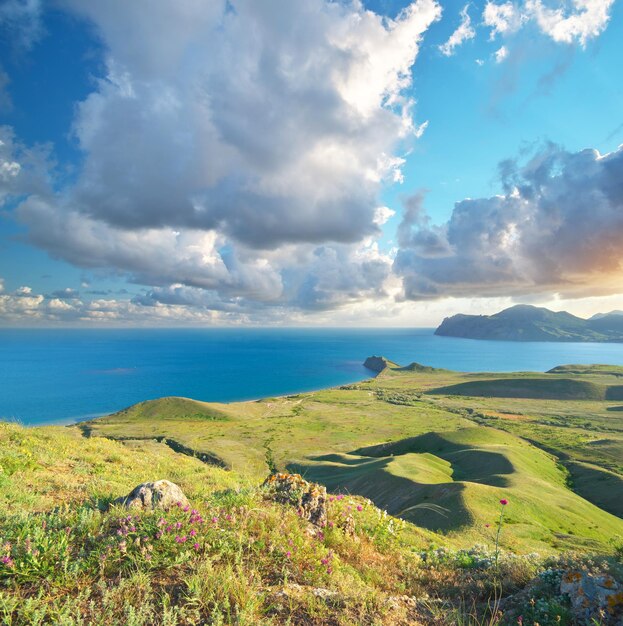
(595, 597)
(161, 494)
(310, 499)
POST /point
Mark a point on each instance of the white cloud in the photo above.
(503, 19)
(463, 33)
(500, 54)
(585, 19)
(234, 149)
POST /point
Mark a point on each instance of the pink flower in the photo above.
(340, 497)
(196, 546)
(7, 560)
(186, 509)
(215, 520)
(359, 507)
(288, 554)
(193, 532)
(504, 502)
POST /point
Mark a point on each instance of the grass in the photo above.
(402, 440)
(423, 471)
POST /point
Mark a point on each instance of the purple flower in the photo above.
(7, 560)
(196, 546)
(288, 554)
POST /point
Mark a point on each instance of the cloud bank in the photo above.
(557, 229)
(234, 147)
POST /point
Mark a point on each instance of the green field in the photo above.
(435, 448)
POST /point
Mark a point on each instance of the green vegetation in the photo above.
(425, 457)
(530, 323)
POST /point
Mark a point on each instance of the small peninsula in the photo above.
(530, 323)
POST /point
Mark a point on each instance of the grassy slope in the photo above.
(74, 562)
(456, 476)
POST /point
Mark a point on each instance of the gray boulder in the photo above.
(161, 494)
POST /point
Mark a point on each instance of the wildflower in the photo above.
(340, 497)
(193, 532)
(162, 521)
(179, 539)
(194, 512)
(503, 501)
(487, 525)
(178, 525)
(288, 554)
(186, 509)
(7, 560)
(158, 535)
(359, 508)
(215, 520)
(196, 546)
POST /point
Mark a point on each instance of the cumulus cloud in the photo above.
(270, 122)
(463, 33)
(585, 19)
(233, 152)
(502, 19)
(557, 229)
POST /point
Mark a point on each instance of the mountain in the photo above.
(529, 323)
(599, 316)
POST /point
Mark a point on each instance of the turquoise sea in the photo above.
(54, 376)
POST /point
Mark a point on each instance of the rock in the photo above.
(595, 597)
(161, 494)
(377, 363)
(309, 499)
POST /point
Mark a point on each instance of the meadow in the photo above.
(417, 461)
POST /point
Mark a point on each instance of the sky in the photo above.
(336, 163)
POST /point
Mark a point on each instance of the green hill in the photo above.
(416, 461)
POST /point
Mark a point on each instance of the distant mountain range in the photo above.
(530, 323)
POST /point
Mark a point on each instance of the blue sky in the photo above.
(158, 169)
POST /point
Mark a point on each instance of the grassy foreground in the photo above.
(437, 450)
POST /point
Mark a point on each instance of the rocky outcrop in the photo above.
(161, 494)
(596, 598)
(377, 363)
(309, 499)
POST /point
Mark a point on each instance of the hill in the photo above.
(416, 463)
(529, 323)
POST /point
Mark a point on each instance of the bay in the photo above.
(60, 376)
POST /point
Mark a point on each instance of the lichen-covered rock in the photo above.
(594, 597)
(161, 494)
(310, 499)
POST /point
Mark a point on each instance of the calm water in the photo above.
(63, 375)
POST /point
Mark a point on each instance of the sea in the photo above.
(63, 376)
